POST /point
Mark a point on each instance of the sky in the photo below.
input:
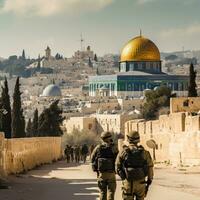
(106, 25)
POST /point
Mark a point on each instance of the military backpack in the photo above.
(135, 165)
(105, 159)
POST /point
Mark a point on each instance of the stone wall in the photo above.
(177, 137)
(21, 154)
(184, 104)
(79, 123)
(2, 152)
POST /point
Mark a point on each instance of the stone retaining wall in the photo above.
(177, 136)
(21, 154)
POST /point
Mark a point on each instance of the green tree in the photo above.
(18, 121)
(97, 72)
(95, 57)
(34, 128)
(155, 100)
(90, 62)
(50, 120)
(39, 62)
(23, 55)
(29, 128)
(192, 91)
(6, 110)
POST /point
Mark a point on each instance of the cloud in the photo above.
(52, 7)
(175, 38)
(145, 1)
(184, 2)
(181, 32)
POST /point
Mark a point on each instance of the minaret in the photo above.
(48, 53)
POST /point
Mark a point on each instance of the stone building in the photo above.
(139, 69)
(97, 123)
(79, 123)
(185, 104)
(48, 53)
(84, 54)
(110, 105)
(52, 90)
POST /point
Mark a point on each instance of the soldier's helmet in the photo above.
(106, 135)
(133, 137)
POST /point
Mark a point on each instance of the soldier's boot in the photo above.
(102, 189)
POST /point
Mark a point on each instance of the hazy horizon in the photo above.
(106, 25)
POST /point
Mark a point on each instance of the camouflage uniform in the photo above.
(77, 153)
(67, 153)
(106, 179)
(134, 188)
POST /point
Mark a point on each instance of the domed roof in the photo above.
(51, 91)
(140, 49)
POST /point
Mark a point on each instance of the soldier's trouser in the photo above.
(132, 189)
(107, 186)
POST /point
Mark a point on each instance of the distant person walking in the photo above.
(67, 153)
(77, 153)
(72, 154)
(84, 152)
(91, 150)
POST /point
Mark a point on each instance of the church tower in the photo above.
(47, 53)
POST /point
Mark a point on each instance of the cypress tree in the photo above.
(35, 124)
(56, 119)
(50, 120)
(39, 62)
(97, 71)
(23, 55)
(95, 57)
(90, 63)
(18, 121)
(6, 110)
(192, 91)
(29, 128)
(44, 126)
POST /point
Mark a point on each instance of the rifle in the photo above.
(146, 189)
(148, 183)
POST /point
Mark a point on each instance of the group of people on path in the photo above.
(133, 164)
(77, 153)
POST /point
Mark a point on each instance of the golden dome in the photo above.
(140, 49)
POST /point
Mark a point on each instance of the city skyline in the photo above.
(106, 25)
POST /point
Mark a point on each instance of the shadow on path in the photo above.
(29, 186)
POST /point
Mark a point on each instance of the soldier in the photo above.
(103, 162)
(91, 149)
(72, 154)
(77, 153)
(67, 153)
(84, 152)
(134, 164)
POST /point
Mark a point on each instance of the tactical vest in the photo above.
(135, 165)
(105, 159)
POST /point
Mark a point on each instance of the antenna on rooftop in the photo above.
(140, 32)
(82, 40)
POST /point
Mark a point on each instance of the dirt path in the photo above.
(77, 182)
